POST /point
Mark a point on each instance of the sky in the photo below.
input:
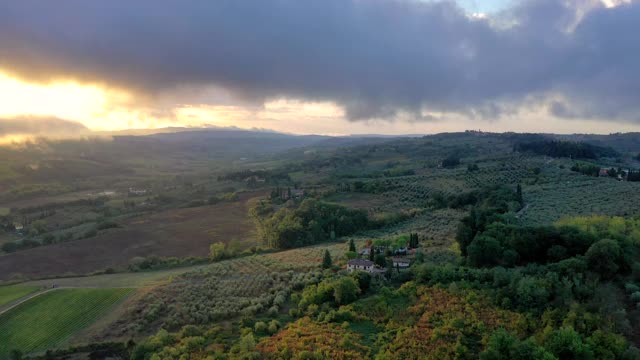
(325, 67)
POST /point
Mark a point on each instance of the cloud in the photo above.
(375, 58)
(40, 126)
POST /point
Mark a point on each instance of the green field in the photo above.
(11, 293)
(50, 319)
(128, 280)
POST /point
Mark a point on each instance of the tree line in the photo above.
(311, 222)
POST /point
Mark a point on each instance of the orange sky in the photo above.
(108, 109)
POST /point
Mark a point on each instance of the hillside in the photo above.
(474, 239)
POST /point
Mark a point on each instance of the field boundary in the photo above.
(7, 307)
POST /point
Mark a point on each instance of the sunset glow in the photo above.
(62, 99)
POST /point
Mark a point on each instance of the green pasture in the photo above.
(50, 319)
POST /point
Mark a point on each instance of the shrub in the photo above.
(260, 327)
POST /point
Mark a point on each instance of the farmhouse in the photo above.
(292, 194)
(254, 180)
(297, 193)
(401, 263)
(360, 264)
(137, 192)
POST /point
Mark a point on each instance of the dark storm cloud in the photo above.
(41, 126)
(374, 57)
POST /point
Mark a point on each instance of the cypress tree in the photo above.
(519, 195)
(326, 261)
(352, 246)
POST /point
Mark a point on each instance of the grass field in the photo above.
(128, 280)
(11, 293)
(50, 319)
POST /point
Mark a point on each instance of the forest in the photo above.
(560, 148)
(308, 223)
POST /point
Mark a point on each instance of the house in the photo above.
(19, 227)
(401, 263)
(254, 179)
(603, 172)
(401, 251)
(137, 192)
(376, 249)
(360, 265)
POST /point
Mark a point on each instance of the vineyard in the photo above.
(50, 319)
(579, 195)
(444, 322)
(314, 341)
(12, 293)
(551, 190)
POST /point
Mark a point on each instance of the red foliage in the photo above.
(307, 339)
(449, 326)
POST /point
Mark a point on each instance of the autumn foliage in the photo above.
(305, 339)
(448, 326)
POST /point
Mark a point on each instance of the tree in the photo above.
(505, 346)
(604, 257)
(345, 290)
(363, 278)
(413, 240)
(372, 253)
(260, 327)
(484, 250)
(519, 195)
(352, 245)
(350, 255)
(216, 251)
(451, 161)
(326, 260)
(380, 260)
(566, 343)
(15, 355)
(389, 270)
(606, 345)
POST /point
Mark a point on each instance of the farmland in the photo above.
(178, 232)
(579, 195)
(12, 293)
(50, 319)
(223, 290)
(118, 280)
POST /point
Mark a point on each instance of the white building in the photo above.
(360, 265)
(401, 263)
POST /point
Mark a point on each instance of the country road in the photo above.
(521, 211)
(5, 308)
